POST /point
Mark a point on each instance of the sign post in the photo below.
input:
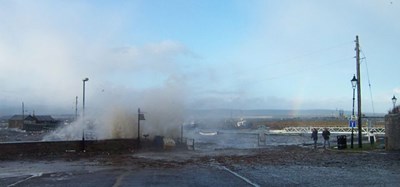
(352, 124)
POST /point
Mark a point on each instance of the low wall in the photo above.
(392, 132)
(9, 150)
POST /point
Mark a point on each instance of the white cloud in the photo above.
(160, 57)
(47, 48)
(43, 61)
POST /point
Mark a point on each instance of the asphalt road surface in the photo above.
(187, 176)
(268, 166)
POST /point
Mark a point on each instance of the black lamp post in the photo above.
(83, 114)
(83, 98)
(140, 117)
(394, 99)
(353, 84)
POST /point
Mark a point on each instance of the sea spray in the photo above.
(73, 131)
(114, 115)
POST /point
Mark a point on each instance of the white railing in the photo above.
(336, 130)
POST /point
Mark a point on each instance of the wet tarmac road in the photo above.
(184, 176)
(273, 166)
(205, 176)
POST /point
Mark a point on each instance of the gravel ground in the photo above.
(303, 166)
(283, 165)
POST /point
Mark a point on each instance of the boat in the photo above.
(208, 133)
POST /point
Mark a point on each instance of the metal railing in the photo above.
(336, 130)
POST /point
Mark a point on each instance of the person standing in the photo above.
(325, 135)
(314, 136)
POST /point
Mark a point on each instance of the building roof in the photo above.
(40, 118)
(44, 118)
(17, 117)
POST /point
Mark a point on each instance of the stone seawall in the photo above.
(392, 132)
(9, 150)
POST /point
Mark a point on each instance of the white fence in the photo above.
(335, 130)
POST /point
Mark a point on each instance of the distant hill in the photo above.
(265, 113)
(234, 113)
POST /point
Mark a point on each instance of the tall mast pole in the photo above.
(359, 93)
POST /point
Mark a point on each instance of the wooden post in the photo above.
(359, 114)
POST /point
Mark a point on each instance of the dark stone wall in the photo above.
(10, 150)
(392, 131)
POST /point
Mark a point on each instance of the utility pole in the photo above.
(76, 108)
(23, 111)
(359, 93)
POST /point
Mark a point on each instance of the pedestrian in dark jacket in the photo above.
(314, 136)
(325, 135)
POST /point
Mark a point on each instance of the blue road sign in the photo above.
(352, 123)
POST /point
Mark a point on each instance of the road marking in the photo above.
(119, 179)
(23, 180)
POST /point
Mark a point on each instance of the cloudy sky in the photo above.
(200, 54)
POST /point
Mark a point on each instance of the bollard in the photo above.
(342, 142)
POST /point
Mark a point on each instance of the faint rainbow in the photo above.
(298, 98)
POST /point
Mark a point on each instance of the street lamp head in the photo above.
(394, 99)
(354, 81)
(85, 79)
